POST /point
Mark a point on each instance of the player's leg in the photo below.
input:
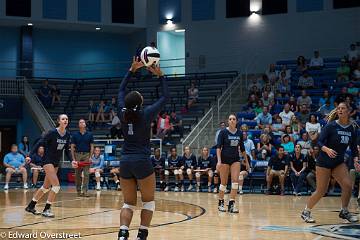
(242, 176)
(51, 172)
(341, 174)
(216, 181)
(35, 173)
(235, 171)
(282, 181)
(24, 174)
(166, 176)
(224, 175)
(269, 179)
(189, 173)
(210, 175)
(9, 172)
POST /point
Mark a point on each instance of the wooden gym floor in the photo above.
(178, 216)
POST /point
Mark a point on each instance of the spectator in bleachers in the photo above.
(341, 97)
(264, 118)
(249, 146)
(35, 164)
(311, 167)
(343, 72)
(203, 167)
(222, 125)
(45, 94)
(283, 86)
(55, 93)
(176, 124)
(259, 108)
(267, 131)
(286, 115)
(303, 99)
(115, 130)
(256, 91)
(271, 74)
(100, 112)
(193, 95)
(298, 164)
(293, 104)
(173, 166)
(356, 73)
(113, 108)
(264, 148)
(163, 125)
(277, 127)
(313, 128)
(295, 125)
(254, 82)
(24, 146)
(284, 70)
(293, 136)
(303, 115)
(275, 108)
(305, 81)
(288, 145)
(271, 94)
(252, 103)
(264, 80)
(352, 89)
(92, 110)
(305, 143)
(266, 98)
(353, 53)
(325, 109)
(97, 166)
(326, 97)
(316, 62)
(14, 162)
(301, 64)
(158, 163)
(353, 108)
(189, 164)
(277, 167)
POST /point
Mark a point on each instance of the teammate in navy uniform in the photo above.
(54, 142)
(229, 147)
(173, 166)
(158, 163)
(189, 164)
(135, 166)
(334, 139)
(203, 167)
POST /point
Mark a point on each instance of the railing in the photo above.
(39, 112)
(11, 87)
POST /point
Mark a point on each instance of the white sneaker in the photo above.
(182, 188)
(197, 189)
(215, 190)
(98, 188)
(6, 187)
(190, 187)
(209, 189)
(166, 189)
(26, 186)
(241, 192)
(48, 214)
(176, 189)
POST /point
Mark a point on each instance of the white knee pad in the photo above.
(180, 171)
(241, 177)
(128, 206)
(235, 185)
(166, 172)
(150, 206)
(222, 188)
(197, 174)
(176, 172)
(210, 173)
(97, 174)
(55, 189)
(82, 174)
(44, 190)
(188, 171)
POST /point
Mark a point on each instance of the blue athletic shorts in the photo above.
(136, 168)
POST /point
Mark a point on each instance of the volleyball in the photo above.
(150, 56)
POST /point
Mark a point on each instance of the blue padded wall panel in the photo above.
(309, 5)
(203, 10)
(89, 10)
(54, 9)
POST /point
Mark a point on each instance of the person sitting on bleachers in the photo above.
(35, 164)
(189, 164)
(264, 118)
(313, 128)
(293, 104)
(303, 115)
(283, 86)
(305, 81)
(269, 133)
(115, 130)
(271, 74)
(249, 146)
(259, 107)
(24, 146)
(356, 73)
(176, 124)
(343, 72)
(295, 125)
(286, 115)
(303, 99)
(45, 94)
(305, 143)
(55, 93)
(14, 162)
(293, 136)
(311, 167)
(97, 166)
(100, 112)
(251, 103)
(264, 148)
(326, 97)
(158, 163)
(270, 92)
(287, 144)
(325, 109)
(284, 70)
(193, 95)
(163, 125)
(203, 167)
(277, 167)
(256, 91)
(173, 166)
(316, 62)
(352, 53)
(254, 82)
(298, 164)
(266, 98)
(301, 64)
(277, 127)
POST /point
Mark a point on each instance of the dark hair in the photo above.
(278, 148)
(172, 148)
(314, 116)
(58, 119)
(133, 102)
(27, 144)
(13, 145)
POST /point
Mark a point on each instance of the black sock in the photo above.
(32, 204)
(123, 233)
(221, 201)
(142, 234)
(47, 206)
(231, 202)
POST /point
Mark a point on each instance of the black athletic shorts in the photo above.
(136, 168)
(229, 161)
(54, 163)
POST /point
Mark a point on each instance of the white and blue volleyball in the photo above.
(150, 56)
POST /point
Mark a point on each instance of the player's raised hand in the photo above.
(136, 64)
(155, 70)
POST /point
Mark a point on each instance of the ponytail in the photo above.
(133, 103)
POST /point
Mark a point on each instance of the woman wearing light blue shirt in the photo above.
(24, 146)
(97, 166)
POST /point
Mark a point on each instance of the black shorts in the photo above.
(230, 161)
(54, 163)
(242, 168)
(327, 164)
(138, 169)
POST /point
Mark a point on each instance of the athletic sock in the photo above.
(143, 233)
(123, 231)
(33, 203)
(47, 206)
(198, 184)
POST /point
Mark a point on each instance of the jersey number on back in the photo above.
(130, 129)
(345, 139)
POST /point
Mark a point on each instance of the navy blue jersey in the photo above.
(157, 162)
(174, 162)
(311, 163)
(82, 141)
(189, 161)
(298, 162)
(54, 144)
(229, 144)
(137, 135)
(277, 163)
(203, 163)
(37, 159)
(338, 138)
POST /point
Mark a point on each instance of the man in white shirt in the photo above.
(316, 62)
(304, 99)
(306, 81)
(249, 146)
(286, 115)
